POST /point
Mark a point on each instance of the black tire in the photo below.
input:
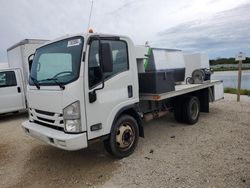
(191, 110)
(178, 111)
(107, 146)
(123, 138)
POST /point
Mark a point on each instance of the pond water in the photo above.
(230, 78)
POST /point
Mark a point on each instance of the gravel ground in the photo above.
(213, 153)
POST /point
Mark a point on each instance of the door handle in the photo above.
(130, 91)
(18, 89)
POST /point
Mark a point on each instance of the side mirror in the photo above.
(30, 60)
(106, 57)
(106, 63)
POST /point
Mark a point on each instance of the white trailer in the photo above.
(87, 87)
(19, 53)
(4, 65)
(13, 80)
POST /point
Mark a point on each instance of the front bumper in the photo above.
(56, 138)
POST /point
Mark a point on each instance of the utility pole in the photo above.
(239, 57)
(239, 80)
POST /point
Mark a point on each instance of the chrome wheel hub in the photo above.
(125, 136)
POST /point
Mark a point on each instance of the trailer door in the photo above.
(11, 91)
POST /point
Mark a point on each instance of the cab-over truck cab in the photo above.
(78, 87)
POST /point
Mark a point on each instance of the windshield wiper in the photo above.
(35, 82)
(55, 80)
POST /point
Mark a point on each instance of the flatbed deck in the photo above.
(179, 90)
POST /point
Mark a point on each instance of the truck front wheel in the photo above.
(123, 138)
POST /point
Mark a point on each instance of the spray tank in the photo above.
(163, 69)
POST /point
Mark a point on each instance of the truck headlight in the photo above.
(72, 118)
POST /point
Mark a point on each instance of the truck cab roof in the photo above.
(85, 35)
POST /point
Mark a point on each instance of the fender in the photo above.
(133, 111)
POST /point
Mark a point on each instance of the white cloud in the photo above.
(223, 34)
(140, 19)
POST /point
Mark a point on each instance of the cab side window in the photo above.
(7, 79)
(120, 60)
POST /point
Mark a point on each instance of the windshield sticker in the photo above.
(74, 42)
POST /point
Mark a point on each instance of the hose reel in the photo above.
(199, 76)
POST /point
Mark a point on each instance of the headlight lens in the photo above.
(72, 125)
(72, 111)
(72, 118)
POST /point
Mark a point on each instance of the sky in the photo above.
(219, 27)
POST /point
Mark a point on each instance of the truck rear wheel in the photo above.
(191, 110)
(123, 137)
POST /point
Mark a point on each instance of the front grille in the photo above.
(48, 120)
(48, 125)
(45, 113)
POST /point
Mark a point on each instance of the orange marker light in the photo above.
(91, 30)
(156, 97)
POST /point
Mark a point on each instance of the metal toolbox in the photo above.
(156, 82)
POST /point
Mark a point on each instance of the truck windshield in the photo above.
(57, 63)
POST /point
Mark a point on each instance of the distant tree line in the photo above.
(230, 60)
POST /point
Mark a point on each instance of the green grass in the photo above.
(234, 91)
(229, 69)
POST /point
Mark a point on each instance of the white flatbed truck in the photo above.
(85, 87)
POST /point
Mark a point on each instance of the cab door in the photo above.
(11, 91)
(118, 86)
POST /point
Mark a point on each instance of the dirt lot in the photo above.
(213, 153)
